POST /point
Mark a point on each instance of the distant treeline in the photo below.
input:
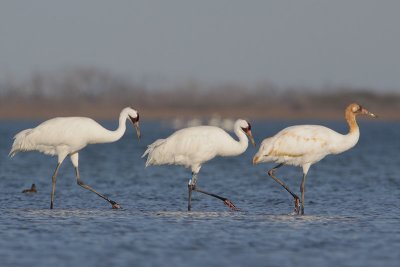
(102, 94)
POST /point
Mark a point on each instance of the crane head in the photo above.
(135, 122)
(247, 131)
(358, 109)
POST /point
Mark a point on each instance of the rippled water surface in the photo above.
(352, 207)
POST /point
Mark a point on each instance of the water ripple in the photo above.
(352, 213)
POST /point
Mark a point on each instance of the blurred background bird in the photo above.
(30, 190)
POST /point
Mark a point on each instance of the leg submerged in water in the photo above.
(53, 185)
(74, 160)
(192, 187)
(296, 198)
(114, 204)
(302, 190)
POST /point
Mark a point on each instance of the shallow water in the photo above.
(352, 207)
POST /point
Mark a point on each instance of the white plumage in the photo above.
(66, 136)
(191, 147)
(304, 145)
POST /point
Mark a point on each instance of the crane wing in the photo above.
(185, 147)
(298, 141)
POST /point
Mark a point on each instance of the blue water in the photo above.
(352, 206)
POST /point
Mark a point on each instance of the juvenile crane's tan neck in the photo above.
(351, 120)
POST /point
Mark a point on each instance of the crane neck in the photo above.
(351, 121)
(112, 136)
(121, 124)
(230, 146)
(350, 139)
(243, 140)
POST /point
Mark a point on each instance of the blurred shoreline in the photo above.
(100, 94)
(45, 110)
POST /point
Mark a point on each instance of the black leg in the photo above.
(302, 187)
(192, 187)
(225, 200)
(114, 204)
(53, 185)
(296, 198)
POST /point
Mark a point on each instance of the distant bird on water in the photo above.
(193, 146)
(30, 190)
(66, 136)
(304, 145)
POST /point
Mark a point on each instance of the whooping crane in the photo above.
(66, 136)
(304, 145)
(193, 146)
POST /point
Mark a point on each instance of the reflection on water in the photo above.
(352, 215)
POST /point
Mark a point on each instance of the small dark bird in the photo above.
(31, 190)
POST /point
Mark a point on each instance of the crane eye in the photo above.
(246, 129)
(357, 109)
(134, 119)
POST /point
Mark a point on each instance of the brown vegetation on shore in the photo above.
(97, 94)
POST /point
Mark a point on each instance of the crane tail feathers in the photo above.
(150, 151)
(21, 143)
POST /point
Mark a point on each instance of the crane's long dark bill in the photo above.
(136, 125)
(250, 136)
(135, 122)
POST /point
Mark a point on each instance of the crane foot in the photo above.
(231, 205)
(115, 205)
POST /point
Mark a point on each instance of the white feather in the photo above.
(67, 136)
(304, 145)
(64, 136)
(193, 146)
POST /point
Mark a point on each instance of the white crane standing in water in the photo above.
(193, 146)
(304, 145)
(66, 136)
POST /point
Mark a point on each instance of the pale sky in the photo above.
(290, 43)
